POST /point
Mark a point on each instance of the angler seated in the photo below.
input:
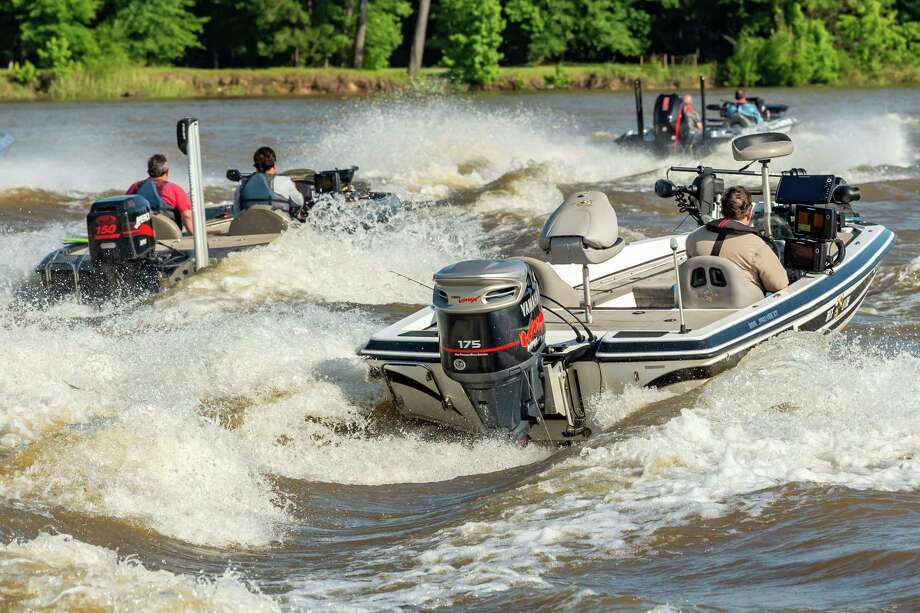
(734, 239)
(171, 207)
(266, 187)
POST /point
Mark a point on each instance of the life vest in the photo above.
(724, 227)
(257, 189)
(148, 189)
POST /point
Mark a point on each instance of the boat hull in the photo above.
(409, 363)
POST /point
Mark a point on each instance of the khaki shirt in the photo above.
(748, 251)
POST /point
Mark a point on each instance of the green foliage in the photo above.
(799, 51)
(77, 43)
(580, 29)
(557, 80)
(873, 38)
(56, 54)
(156, 32)
(57, 32)
(474, 30)
(25, 73)
(384, 31)
(743, 67)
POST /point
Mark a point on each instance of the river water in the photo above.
(219, 447)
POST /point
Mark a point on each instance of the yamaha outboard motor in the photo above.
(492, 338)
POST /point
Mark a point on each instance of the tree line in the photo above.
(768, 42)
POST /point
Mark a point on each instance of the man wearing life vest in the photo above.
(733, 238)
(741, 106)
(266, 187)
(163, 195)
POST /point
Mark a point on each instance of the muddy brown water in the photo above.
(220, 447)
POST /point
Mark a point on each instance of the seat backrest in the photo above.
(711, 282)
(583, 230)
(552, 285)
(148, 189)
(258, 219)
(164, 227)
(257, 190)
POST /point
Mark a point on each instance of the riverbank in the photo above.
(169, 82)
(215, 83)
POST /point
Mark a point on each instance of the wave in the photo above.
(851, 423)
(56, 571)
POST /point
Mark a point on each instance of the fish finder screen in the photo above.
(805, 189)
(815, 222)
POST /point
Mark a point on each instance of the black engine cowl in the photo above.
(120, 229)
(491, 331)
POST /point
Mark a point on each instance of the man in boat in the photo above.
(691, 120)
(265, 186)
(163, 195)
(741, 106)
(735, 239)
(691, 116)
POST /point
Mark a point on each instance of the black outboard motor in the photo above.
(121, 247)
(120, 229)
(491, 339)
(664, 119)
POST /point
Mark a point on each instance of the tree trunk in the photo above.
(360, 34)
(418, 41)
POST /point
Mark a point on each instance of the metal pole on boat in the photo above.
(767, 205)
(680, 299)
(703, 104)
(190, 144)
(586, 284)
(640, 120)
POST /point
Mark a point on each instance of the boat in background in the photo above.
(670, 133)
(131, 251)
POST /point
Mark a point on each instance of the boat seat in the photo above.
(552, 285)
(164, 228)
(259, 219)
(583, 230)
(711, 282)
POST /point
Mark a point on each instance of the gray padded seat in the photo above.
(552, 285)
(583, 230)
(164, 228)
(259, 219)
(711, 282)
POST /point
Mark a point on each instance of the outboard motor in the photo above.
(664, 119)
(120, 230)
(492, 338)
(121, 247)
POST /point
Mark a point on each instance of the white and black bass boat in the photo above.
(521, 345)
(132, 250)
(670, 133)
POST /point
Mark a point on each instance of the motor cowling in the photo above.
(491, 330)
(120, 229)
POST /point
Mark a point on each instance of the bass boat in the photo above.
(132, 250)
(670, 133)
(521, 345)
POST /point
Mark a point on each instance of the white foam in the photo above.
(319, 435)
(60, 573)
(308, 262)
(799, 409)
(180, 475)
(431, 147)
